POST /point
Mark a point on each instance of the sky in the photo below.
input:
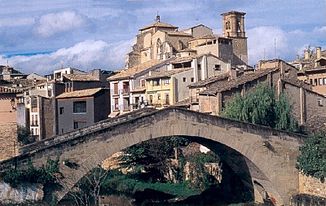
(42, 35)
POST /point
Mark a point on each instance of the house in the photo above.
(9, 73)
(307, 105)
(128, 86)
(58, 74)
(312, 69)
(82, 108)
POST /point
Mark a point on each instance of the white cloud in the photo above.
(262, 42)
(84, 55)
(54, 23)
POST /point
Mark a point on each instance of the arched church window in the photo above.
(158, 46)
(227, 25)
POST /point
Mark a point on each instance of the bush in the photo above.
(312, 160)
(24, 136)
(42, 175)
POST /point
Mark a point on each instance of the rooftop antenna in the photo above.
(264, 54)
(275, 48)
(158, 18)
(7, 63)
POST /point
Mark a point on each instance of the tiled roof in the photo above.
(210, 80)
(80, 77)
(178, 33)
(182, 59)
(79, 93)
(168, 73)
(183, 103)
(159, 24)
(134, 70)
(227, 85)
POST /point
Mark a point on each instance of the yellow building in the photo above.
(165, 88)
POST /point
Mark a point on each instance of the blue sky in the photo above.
(42, 35)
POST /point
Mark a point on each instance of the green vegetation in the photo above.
(128, 185)
(24, 136)
(151, 156)
(261, 107)
(312, 160)
(43, 175)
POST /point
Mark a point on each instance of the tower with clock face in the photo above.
(233, 28)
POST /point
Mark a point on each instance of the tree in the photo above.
(88, 189)
(260, 106)
(24, 135)
(151, 156)
(312, 160)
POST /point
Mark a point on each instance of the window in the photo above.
(184, 79)
(78, 125)
(217, 67)
(79, 107)
(167, 81)
(150, 99)
(311, 81)
(320, 81)
(158, 96)
(320, 102)
(324, 81)
(156, 82)
(192, 79)
(142, 82)
(115, 88)
(61, 110)
(167, 99)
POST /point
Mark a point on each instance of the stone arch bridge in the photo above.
(264, 156)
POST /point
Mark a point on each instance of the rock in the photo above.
(21, 194)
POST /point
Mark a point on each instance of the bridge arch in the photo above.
(269, 154)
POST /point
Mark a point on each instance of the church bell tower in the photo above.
(233, 28)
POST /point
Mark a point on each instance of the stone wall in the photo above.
(8, 141)
(312, 186)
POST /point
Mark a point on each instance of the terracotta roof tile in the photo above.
(158, 24)
(79, 93)
(210, 80)
(134, 70)
(80, 77)
(168, 73)
(227, 85)
(178, 33)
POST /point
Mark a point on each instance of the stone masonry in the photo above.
(270, 154)
(8, 139)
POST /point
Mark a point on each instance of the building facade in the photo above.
(82, 108)
(312, 69)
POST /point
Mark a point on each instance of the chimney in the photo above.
(306, 54)
(318, 52)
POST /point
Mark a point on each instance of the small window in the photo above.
(320, 102)
(61, 110)
(167, 81)
(184, 79)
(78, 125)
(217, 67)
(320, 81)
(311, 81)
(192, 79)
(79, 107)
(75, 125)
(158, 96)
(142, 82)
